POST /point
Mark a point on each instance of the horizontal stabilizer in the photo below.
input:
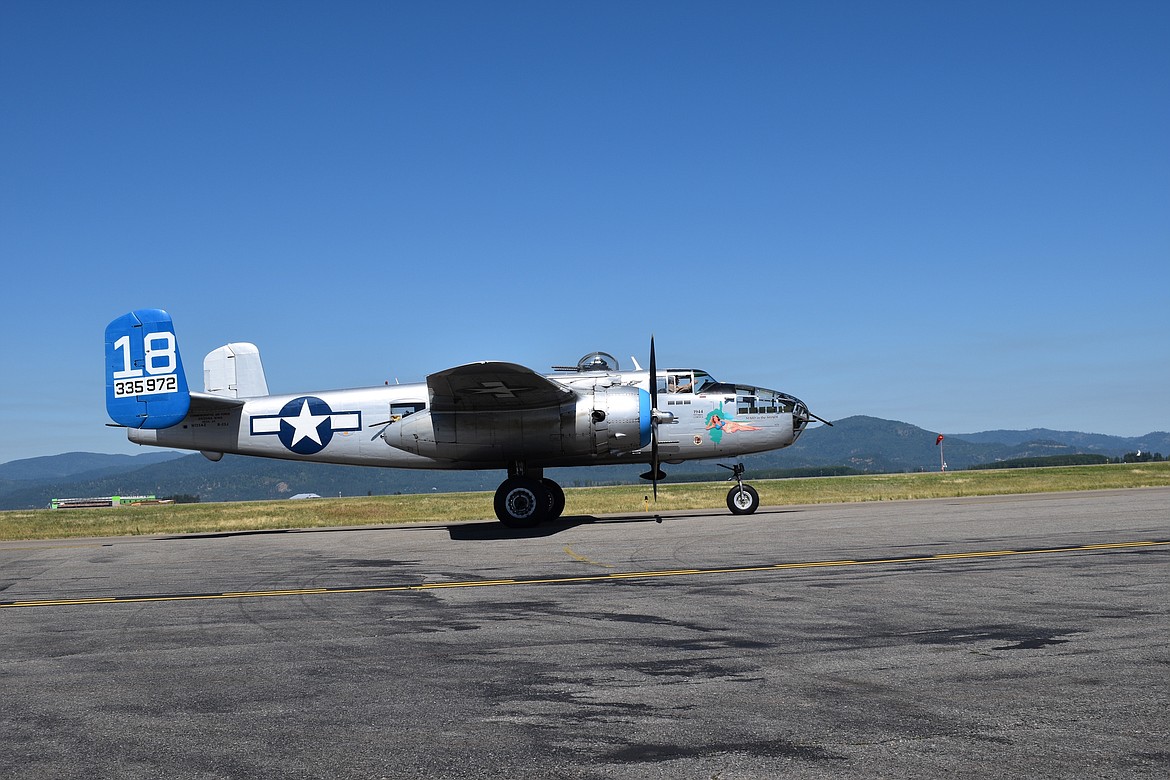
(206, 402)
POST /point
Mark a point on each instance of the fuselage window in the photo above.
(400, 410)
(750, 400)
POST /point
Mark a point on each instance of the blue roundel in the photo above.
(305, 425)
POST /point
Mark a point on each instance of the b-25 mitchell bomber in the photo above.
(484, 415)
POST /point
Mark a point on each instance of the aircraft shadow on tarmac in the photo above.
(488, 531)
(474, 531)
(464, 531)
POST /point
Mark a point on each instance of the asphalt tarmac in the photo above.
(1007, 636)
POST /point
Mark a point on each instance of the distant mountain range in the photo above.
(861, 444)
(870, 444)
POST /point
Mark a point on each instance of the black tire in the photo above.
(557, 504)
(522, 502)
(743, 500)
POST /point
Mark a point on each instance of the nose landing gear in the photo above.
(741, 499)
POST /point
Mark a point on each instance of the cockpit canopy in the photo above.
(594, 361)
(597, 361)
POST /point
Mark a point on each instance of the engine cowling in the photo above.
(619, 419)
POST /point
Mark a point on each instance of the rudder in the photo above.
(146, 386)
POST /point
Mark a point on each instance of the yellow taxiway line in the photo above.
(587, 578)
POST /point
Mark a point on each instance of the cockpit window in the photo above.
(680, 382)
(703, 380)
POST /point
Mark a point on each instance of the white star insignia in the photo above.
(305, 424)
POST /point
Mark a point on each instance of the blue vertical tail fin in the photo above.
(145, 383)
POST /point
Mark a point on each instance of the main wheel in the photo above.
(743, 500)
(557, 505)
(522, 502)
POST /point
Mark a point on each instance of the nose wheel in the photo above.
(741, 499)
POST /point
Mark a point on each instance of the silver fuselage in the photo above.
(357, 426)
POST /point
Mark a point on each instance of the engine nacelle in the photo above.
(603, 422)
(619, 419)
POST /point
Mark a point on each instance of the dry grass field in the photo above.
(632, 499)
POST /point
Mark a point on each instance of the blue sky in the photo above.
(952, 214)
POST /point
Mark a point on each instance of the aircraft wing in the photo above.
(493, 387)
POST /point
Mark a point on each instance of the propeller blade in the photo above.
(656, 418)
(654, 421)
(653, 376)
(654, 464)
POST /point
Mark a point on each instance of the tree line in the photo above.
(1080, 459)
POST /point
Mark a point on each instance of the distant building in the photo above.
(84, 503)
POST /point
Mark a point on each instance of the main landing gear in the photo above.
(741, 499)
(526, 498)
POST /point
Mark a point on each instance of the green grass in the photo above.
(447, 507)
